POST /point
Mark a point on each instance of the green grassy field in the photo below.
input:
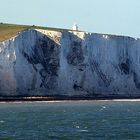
(10, 30)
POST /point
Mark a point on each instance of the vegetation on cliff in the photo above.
(10, 30)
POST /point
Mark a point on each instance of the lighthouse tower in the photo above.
(75, 27)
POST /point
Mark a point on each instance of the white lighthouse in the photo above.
(75, 27)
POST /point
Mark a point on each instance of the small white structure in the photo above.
(75, 27)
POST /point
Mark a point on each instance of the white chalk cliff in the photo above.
(41, 62)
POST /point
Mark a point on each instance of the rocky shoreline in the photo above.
(65, 98)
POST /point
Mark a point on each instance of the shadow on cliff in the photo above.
(75, 57)
(46, 53)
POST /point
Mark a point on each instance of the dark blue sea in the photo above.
(70, 120)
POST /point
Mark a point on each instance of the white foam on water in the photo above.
(83, 130)
(126, 100)
(104, 107)
(77, 126)
(1, 121)
(68, 101)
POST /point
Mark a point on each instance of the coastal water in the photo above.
(70, 120)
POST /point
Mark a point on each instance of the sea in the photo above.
(70, 120)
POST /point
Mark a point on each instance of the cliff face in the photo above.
(39, 62)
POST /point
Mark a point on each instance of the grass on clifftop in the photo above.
(10, 30)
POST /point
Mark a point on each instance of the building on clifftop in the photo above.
(75, 27)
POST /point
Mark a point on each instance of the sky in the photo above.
(120, 17)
